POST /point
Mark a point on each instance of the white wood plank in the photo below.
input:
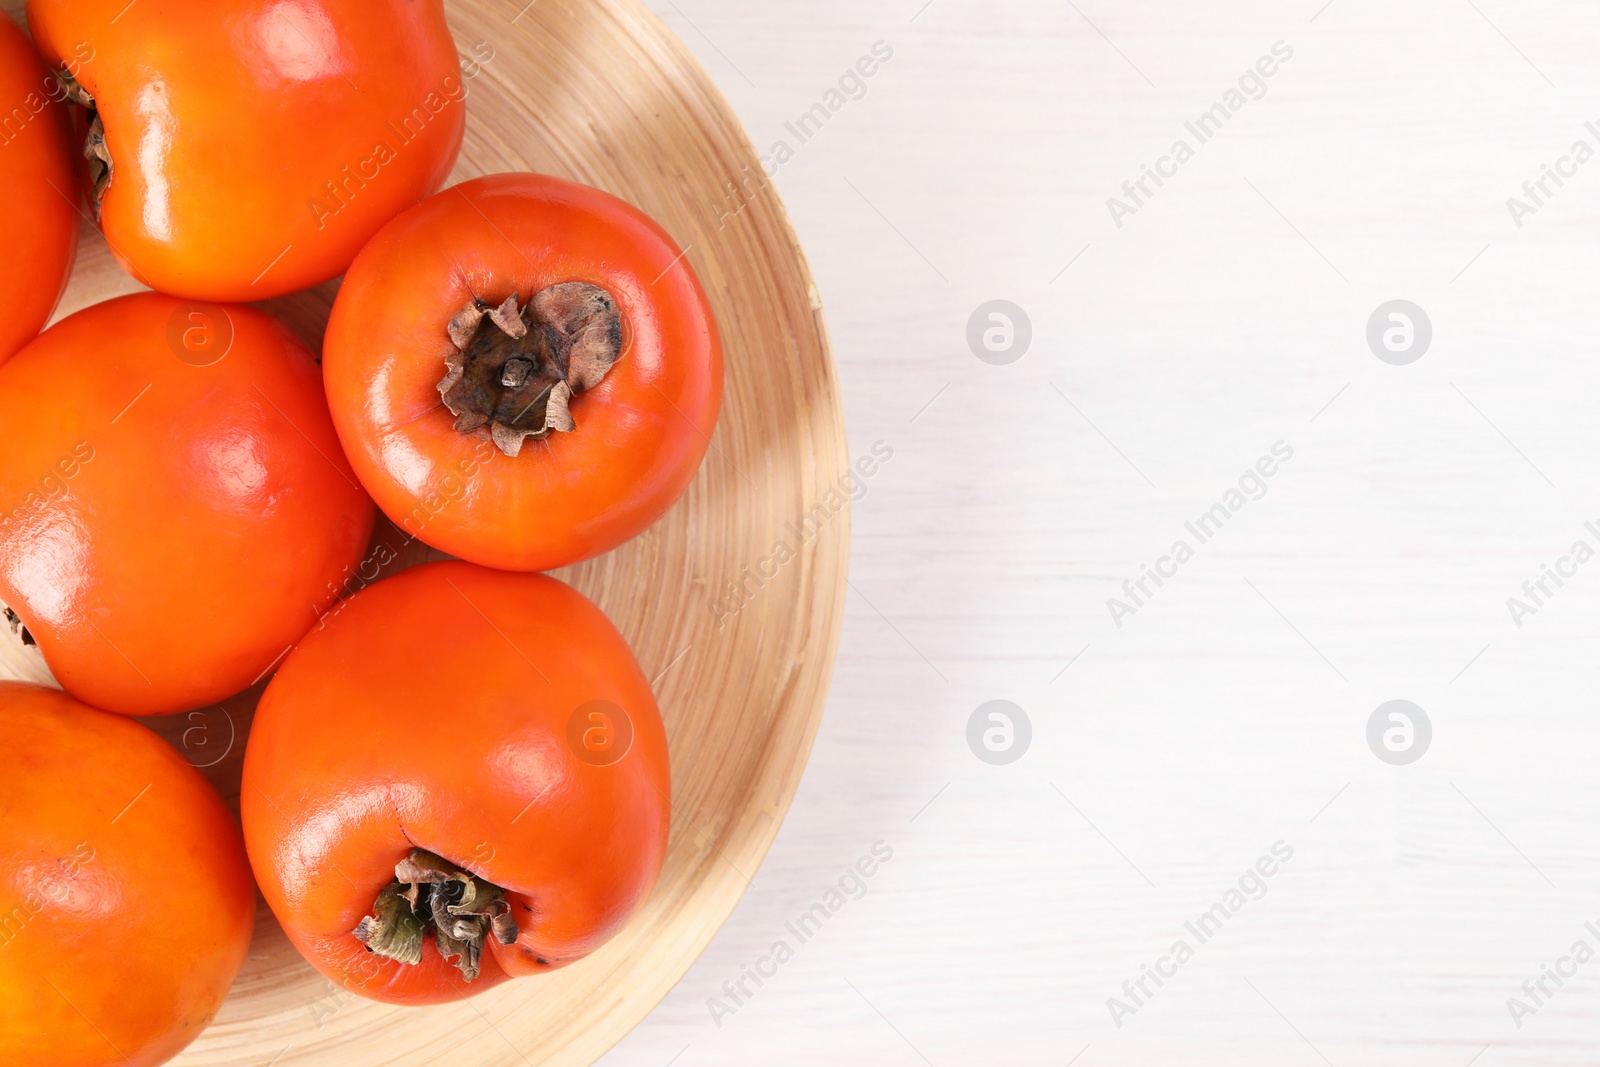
(1229, 713)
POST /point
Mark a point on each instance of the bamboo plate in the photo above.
(600, 91)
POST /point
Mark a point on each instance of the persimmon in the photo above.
(524, 372)
(242, 149)
(175, 511)
(38, 191)
(126, 904)
(458, 777)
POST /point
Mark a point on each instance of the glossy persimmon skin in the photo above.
(38, 192)
(171, 520)
(256, 144)
(641, 433)
(126, 903)
(431, 710)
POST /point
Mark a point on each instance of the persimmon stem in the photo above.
(431, 893)
(18, 628)
(94, 143)
(516, 369)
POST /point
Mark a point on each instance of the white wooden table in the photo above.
(1228, 712)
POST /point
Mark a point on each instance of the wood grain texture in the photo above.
(1203, 729)
(600, 92)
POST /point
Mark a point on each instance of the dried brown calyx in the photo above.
(94, 143)
(515, 370)
(430, 892)
(18, 627)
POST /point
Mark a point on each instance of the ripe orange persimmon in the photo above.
(38, 191)
(126, 905)
(573, 350)
(174, 508)
(241, 149)
(461, 746)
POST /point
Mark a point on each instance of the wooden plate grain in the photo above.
(601, 92)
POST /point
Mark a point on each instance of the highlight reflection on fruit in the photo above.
(459, 777)
(242, 149)
(129, 900)
(38, 190)
(175, 511)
